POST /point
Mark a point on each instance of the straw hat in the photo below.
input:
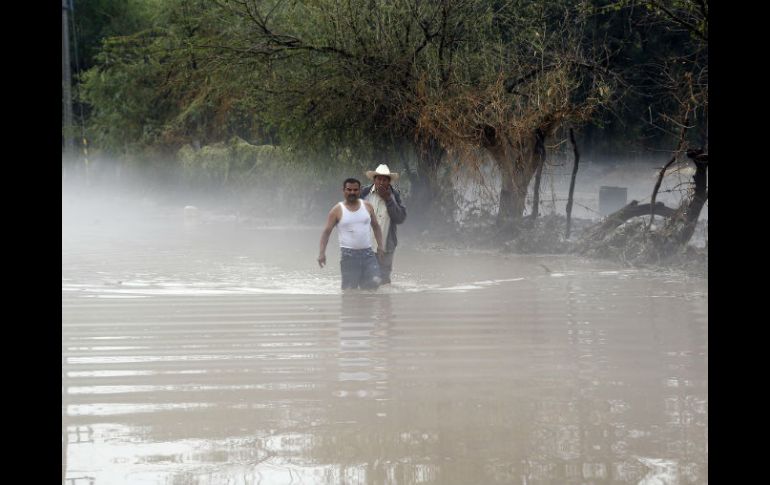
(382, 169)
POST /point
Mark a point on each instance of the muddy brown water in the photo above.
(211, 351)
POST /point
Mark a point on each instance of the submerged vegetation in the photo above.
(241, 95)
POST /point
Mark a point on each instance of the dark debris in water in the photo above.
(631, 244)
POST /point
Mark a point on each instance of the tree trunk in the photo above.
(426, 199)
(572, 182)
(595, 236)
(631, 210)
(511, 203)
(539, 159)
(660, 245)
(692, 212)
(517, 164)
(681, 227)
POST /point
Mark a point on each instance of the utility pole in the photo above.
(66, 81)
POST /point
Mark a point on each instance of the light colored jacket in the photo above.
(396, 212)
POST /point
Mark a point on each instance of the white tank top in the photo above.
(354, 227)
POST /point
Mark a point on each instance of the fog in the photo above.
(201, 343)
(306, 196)
(637, 177)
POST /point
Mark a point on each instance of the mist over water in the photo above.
(207, 348)
(637, 177)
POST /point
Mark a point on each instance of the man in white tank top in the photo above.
(355, 221)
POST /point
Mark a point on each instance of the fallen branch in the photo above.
(600, 231)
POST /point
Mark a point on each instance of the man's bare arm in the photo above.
(331, 221)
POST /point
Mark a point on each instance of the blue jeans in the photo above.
(359, 269)
(386, 266)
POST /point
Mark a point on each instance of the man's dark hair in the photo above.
(351, 181)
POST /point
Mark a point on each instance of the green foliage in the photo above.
(128, 109)
(96, 20)
(347, 82)
(235, 161)
(659, 49)
(156, 89)
(268, 179)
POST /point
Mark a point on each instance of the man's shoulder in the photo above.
(366, 189)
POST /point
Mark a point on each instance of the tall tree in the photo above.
(346, 73)
(529, 75)
(436, 76)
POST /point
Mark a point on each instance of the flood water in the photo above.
(215, 351)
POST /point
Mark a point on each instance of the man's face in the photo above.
(351, 191)
(381, 182)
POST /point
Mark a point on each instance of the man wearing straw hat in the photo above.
(389, 210)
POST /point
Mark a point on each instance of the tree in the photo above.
(345, 74)
(649, 44)
(429, 77)
(155, 89)
(529, 76)
(679, 83)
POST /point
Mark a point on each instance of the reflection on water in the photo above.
(363, 346)
(471, 368)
